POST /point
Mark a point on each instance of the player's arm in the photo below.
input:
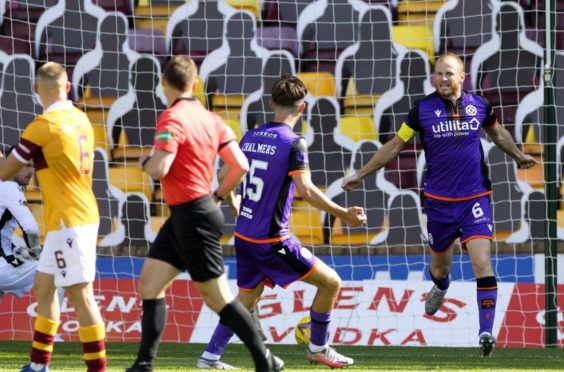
(353, 216)
(9, 167)
(387, 153)
(158, 164)
(235, 168)
(25, 219)
(503, 139)
(233, 201)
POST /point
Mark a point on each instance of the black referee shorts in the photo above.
(189, 239)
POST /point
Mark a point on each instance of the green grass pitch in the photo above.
(182, 357)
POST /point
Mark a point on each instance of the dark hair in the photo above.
(180, 72)
(288, 90)
(9, 150)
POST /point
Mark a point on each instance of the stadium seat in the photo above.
(404, 218)
(33, 191)
(123, 6)
(318, 84)
(278, 37)
(105, 69)
(366, 69)
(533, 176)
(17, 100)
(155, 16)
(227, 106)
(256, 108)
(148, 41)
(253, 6)
(196, 28)
(305, 223)
(134, 115)
(324, 30)
(415, 37)
(130, 178)
(235, 127)
(418, 13)
(358, 128)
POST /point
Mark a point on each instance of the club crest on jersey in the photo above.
(471, 110)
(438, 113)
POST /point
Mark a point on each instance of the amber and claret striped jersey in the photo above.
(60, 143)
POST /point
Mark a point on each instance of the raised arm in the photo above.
(353, 216)
(388, 152)
(503, 139)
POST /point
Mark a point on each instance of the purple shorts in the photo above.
(449, 220)
(280, 263)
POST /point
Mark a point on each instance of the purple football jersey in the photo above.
(274, 152)
(450, 135)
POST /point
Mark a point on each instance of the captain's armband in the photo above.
(405, 132)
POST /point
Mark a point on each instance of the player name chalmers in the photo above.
(259, 147)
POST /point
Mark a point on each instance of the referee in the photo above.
(187, 139)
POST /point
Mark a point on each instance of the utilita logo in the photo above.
(451, 128)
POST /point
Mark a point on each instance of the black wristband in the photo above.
(145, 162)
(217, 196)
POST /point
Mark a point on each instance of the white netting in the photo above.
(365, 63)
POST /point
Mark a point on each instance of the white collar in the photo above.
(59, 105)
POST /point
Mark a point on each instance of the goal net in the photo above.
(365, 64)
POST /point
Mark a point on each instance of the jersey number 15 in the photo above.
(253, 190)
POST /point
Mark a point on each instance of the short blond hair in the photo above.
(52, 74)
(454, 57)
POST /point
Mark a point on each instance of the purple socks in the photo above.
(486, 289)
(319, 328)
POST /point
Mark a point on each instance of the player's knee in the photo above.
(332, 283)
(146, 289)
(439, 271)
(482, 267)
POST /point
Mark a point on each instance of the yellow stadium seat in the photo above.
(227, 106)
(200, 93)
(533, 176)
(32, 191)
(418, 13)
(415, 37)
(236, 127)
(153, 16)
(318, 83)
(305, 223)
(356, 104)
(130, 178)
(358, 128)
(124, 151)
(252, 6)
(157, 222)
(340, 237)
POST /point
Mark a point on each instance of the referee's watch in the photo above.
(217, 197)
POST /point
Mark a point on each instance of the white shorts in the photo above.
(17, 280)
(69, 255)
